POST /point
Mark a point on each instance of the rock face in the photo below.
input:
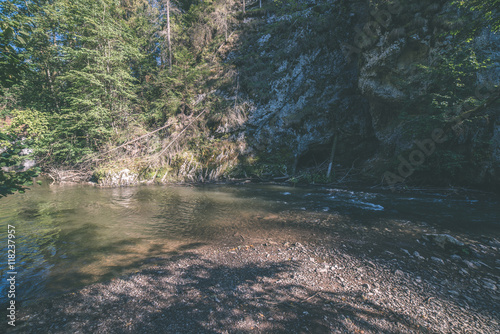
(312, 90)
(344, 68)
(24, 164)
(120, 178)
(29, 163)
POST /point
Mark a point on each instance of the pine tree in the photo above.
(83, 50)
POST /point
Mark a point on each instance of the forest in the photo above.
(173, 90)
(250, 166)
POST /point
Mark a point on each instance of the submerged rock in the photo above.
(444, 241)
(437, 260)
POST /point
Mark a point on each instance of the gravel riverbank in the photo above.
(295, 273)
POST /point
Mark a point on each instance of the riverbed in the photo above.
(74, 239)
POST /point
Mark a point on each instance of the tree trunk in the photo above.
(52, 90)
(243, 6)
(237, 88)
(332, 155)
(168, 38)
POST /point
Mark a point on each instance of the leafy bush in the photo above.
(12, 177)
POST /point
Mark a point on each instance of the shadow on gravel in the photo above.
(194, 295)
(189, 294)
(399, 246)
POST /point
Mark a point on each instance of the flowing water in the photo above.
(71, 236)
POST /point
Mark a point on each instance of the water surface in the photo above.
(70, 236)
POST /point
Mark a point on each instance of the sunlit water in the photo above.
(70, 236)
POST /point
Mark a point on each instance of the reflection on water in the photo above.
(71, 236)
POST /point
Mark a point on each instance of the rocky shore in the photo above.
(290, 273)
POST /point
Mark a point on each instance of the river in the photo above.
(71, 236)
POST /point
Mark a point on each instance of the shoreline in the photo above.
(290, 273)
(355, 185)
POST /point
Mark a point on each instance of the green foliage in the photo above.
(14, 32)
(288, 6)
(318, 178)
(81, 54)
(487, 15)
(76, 76)
(451, 89)
(12, 179)
(31, 123)
(15, 28)
(91, 69)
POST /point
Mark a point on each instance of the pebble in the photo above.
(417, 255)
(481, 263)
(406, 251)
(468, 299)
(489, 284)
(403, 294)
(463, 272)
(470, 264)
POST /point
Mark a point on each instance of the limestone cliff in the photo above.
(364, 72)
